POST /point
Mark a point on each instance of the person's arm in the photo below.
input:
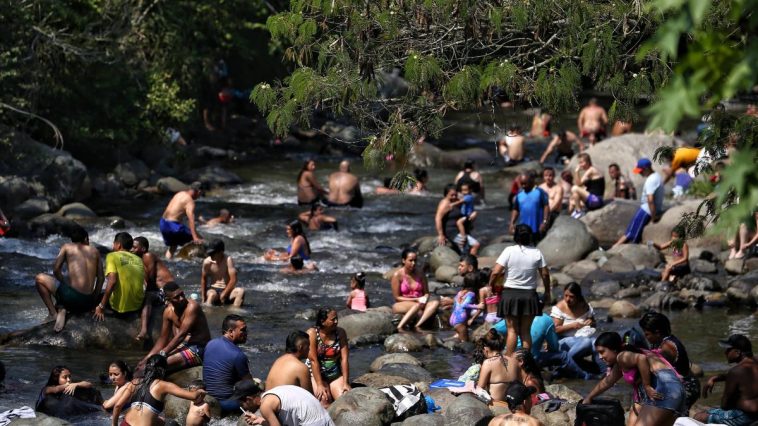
(304, 217)
(708, 386)
(349, 300)
(558, 322)
(204, 278)
(188, 320)
(344, 359)
(663, 246)
(497, 271)
(58, 266)
(557, 200)
(545, 211)
(322, 389)
(545, 274)
(124, 397)
(651, 206)
(643, 366)
(731, 388)
(668, 350)
(169, 388)
(580, 120)
(52, 390)
(550, 147)
(150, 268)
(603, 385)
(71, 387)
(190, 212)
(162, 339)
(269, 408)
(304, 377)
(514, 217)
(484, 376)
(112, 281)
(232, 279)
(438, 224)
(311, 178)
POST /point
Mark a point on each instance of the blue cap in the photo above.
(642, 163)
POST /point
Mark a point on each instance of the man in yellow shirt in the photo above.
(125, 277)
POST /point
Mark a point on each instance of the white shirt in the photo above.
(556, 312)
(653, 186)
(521, 264)
(298, 407)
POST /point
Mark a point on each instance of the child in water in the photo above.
(357, 300)
(468, 215)
(464, 301)
(199, 413)
(679, 264)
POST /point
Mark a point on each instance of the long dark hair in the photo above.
(493, 340)
(297, 229)
(121, 365)
(303, 169)
(576, 290)
(55, 375)
(321, 315)
(610, 340)
(155, 369)
(656, 322)
(529, 365)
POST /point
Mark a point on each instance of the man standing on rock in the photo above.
(125, 279)
(156, 276)
(344, 188)
(219, 271)
(739, 404)
(592, 121)
(651, 202)
(554, 194)
(79, 291)
(225, 364)
(531, 207)
(184, 332)
(175, 233)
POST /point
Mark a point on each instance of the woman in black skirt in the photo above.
(520, 264)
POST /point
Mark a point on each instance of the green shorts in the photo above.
(73, 301)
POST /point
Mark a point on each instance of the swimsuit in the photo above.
(329, 357)
(407, 291)
(300, 253)
(492, 317)
(596, 189)
(72, 300)
(460, 313)
(358, 303)
(174, 233)
(667, 382)
(192, 355)
(473, 185)
(150, 403)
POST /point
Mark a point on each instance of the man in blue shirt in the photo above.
(531, 206)
(225, 364)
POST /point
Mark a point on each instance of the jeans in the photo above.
(579, 347)
(564, 362)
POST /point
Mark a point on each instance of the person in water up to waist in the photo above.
(219, 271)
(344, 188)
(175, 233)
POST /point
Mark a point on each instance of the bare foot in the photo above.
(169, 255)
(60, 320)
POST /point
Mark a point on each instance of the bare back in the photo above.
(515, 147)
(83, 262)
(288, 370)
(515, 419)
(342, 187)
(745, 374)
(497, 374)
(592, 118)
(307, 187)
(178, 206)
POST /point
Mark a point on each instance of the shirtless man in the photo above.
(592, 121)
(289, 369)
(224, 217)
(443, 223)
(156, 276)
(511, 146)
(563, 142)
(184, 331)
(78, 292)
(739, 404)
(554, 194)
(316, 220)
(620, 186)
(344, 188)
(220, 273)
(518, 398)
(174, 232)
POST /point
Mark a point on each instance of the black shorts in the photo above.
(516, 303)
(681, 270)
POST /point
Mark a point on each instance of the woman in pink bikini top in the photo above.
(410, 291)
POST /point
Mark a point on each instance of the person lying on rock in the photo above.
(289, 368)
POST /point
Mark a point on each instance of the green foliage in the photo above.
(422, 71)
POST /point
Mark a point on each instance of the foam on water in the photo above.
(276, 193)
(46, 250)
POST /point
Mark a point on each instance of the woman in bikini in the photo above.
(328, 357)
(309, 191)
(317, 220)
(410, 291)
(658, 397)
(498, 370)
(298, 251)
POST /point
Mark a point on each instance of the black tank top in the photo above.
(466, 179)
(596, 186)
(682, 361)
(154, 404)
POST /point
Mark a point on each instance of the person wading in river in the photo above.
(219, 271)
(78, 292)
(175, 233)
(344, 188)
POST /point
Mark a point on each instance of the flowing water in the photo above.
(369, 240)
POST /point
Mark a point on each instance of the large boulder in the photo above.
(568, 240)
(212, 176)
(565, 415)
(466, 410)
(364, 406)
(618, 264)
(403, 342)
(414, 373)
(184, 378)
(640, 255)
(445, 273)
(494, 250)
(32, 207)
(664, 300)
(14, 190)
(660, 232)
(579, 270)
(49, 223)
(609, 223)
(425, 420)
(131, 172)
(170, 185)
(379, 380)
(367, 327)
(624, 309)
(563, 392)
(442, 255)
(741, 288)
(426, 155)
(605, 288)
(397, 358)
(76, 211)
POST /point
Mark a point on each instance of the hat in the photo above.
(196, 185)
(739, 342)
(215, 247)
(642, 164)
(517, 393)
(245, 388)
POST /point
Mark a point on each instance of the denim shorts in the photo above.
(670, 386)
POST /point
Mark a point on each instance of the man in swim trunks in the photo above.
(592, 121)
(219, 271)
(739, 404)
(79, 291)
(175, 233)
(344, 188)
(554, 194)
(184, 331)
(562, 142)
(511, 146)
(156, 276)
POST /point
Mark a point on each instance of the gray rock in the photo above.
(130, 173)
(735, 266)
(49, 223)
(445, 273)
(397, 358)
(660, 232)
(442, 255)
(664, 300)
(579, 270)
(76, 211)
(624, 309)
(192, 251)
(425, 245)
(605, 288)
(609, 223)
(32, 207)
(627, 293)
(403, 342)
(568, 240)
(640, 255)
(565, 415)
(379, 380)
(370, 326)
(427, 155)
(564, 392)
(411, 372)
(364, 406)
(41, 419)
(560, 278)
(494, 250)
(213, 176)
(425, 420)
(14, 190)
(618, 264)
(467, 411)
(170, 185)
(212, 152)
(185, 377)
(703, 266)
(695, 282)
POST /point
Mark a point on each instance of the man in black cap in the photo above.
(218, 279)
(739, 404)
(519, 400)
(286, 405)
(175, 233)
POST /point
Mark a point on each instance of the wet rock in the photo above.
(427, 155)
(693, 295)
(486, 262)
(494, 250)
(367, 327)
(425, 420)
(364, 406)
(397, 358)
(695, 282)
(425, 245)
(604, 303)
(605, 288)
(192, 251)
(379, 380)
(595, 277)
(467, 411)
(579, 270)
(49, 224)
(664, 300)
(13, 191)
(609, 223)
(130, 173)
(628, 293)
(568, 240)
(618, 264)
(107, 186)
(640, 255)
(511, 172)
(623, 309)
(660, 232)
(403, 342)
(212, 176)
(445, 273)
(431, 341)
(443, 256)
(41, 420)
(411, 372)
(31, 208)
(213, 152)
(715, 299)
(703, 266)
(560, 279)
(177, 408)
(76, 211)
(170, 185)
(341, 132)
(751, 264)
(735, 266)
(442, 398)
(184, 378)
(309, 315)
